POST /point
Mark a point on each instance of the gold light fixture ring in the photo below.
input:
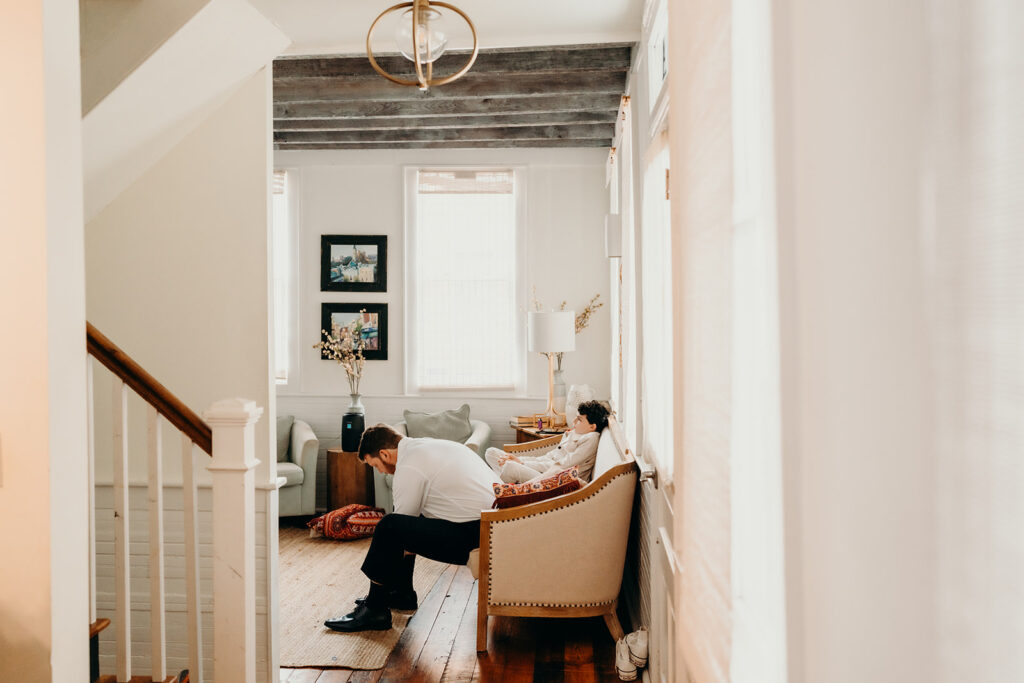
(427, 80)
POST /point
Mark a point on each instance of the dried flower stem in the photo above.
(345, 344)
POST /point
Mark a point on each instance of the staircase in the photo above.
(226, 434)
(153, 72)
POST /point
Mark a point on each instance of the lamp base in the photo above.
(552, 412)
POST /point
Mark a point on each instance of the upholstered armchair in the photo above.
(478, 442)
(296, 464)
(562, 557)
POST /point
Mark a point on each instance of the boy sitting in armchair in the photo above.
(578, 447)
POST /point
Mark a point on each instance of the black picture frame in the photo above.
(339, 252)
(346, 312)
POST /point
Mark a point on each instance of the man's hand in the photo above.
(502, 459)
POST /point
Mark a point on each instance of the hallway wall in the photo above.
(44, 597)
(858, 451)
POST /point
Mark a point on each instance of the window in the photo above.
(463, 259)
(282, 264)
(656, 338)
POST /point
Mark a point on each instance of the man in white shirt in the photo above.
(578, 448)
(439, 489)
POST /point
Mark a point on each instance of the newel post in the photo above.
(234, 539)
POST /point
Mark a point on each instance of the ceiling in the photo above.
(549, 74)
(514, 97)
(339, 26)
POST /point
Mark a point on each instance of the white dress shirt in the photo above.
(441, 480)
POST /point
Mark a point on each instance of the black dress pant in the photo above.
(435, 539)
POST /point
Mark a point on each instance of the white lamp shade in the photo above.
(552, 332)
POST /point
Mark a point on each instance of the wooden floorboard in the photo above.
(439, 644)
(462, 664)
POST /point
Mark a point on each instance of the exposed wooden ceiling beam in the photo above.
(561, 96)
(458, 144)
(441, 107)
(604, 131)
(470, 85)
(561, 58)
(459, 122)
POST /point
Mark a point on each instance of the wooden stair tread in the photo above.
(136, 679)
(97, 626)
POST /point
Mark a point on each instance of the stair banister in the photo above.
(146, 386)
(228, 434)
(234, 539)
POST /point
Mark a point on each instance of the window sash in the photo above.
(463, 318)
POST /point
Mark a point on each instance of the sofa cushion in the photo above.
(512, 495)
(346, 523)
(452, 425)
(284, 434)
(292, 473)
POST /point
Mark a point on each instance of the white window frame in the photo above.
(293, 180)
(518, 390)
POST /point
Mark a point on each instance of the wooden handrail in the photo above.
(146, 386)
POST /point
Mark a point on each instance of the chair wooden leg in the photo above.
(481, 629)
(612, 621)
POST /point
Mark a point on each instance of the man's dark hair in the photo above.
(595, 413)
(377, 438)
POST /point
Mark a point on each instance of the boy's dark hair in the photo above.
(377, 438)
(595, 413)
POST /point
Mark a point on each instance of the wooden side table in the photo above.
(527, 434)
(348, 480)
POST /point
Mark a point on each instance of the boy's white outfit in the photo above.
(574, 449)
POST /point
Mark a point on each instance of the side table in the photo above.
(527, 434)
(348, 480)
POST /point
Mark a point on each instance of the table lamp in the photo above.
(550, 333)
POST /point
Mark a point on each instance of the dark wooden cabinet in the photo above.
(348, 480)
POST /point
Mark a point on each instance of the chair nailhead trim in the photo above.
(549, 604)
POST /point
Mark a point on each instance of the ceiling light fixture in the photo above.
(422, 38)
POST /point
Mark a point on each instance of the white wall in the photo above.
(177, 270)
(117, 37)
(43, 460)
(860, 526)
(362, 192)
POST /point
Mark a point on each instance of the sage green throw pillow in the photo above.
(284, 435)
(452, 425)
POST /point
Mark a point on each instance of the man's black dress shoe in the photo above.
(400, 600)
(362, 618)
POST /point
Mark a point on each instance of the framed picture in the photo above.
(353, 263)
(374, 329)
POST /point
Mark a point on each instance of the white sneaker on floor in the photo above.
(623, 666)
(637, 644)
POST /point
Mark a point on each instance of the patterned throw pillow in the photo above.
(512, 495)
(347, 523)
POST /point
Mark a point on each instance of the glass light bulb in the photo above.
(432, 37)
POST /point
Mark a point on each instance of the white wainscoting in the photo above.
(174, 568)
(323, 413)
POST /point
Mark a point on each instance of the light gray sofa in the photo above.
(298, 467)
(478, 441)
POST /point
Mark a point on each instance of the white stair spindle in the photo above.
(234, 537)
(90, 399)
(191, 509)
(122, 573)
(157, 602)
